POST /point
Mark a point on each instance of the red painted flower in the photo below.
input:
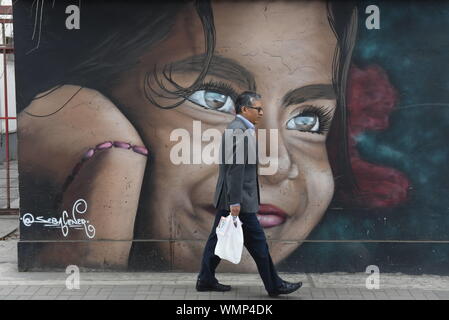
(371, 98)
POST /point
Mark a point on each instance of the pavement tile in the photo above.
(183, 286)
(6, 290)
(102, 297)
(390, 292)
(26, 291)
(307, 298)
(217, 298)
(348, 297)
(243, 288)
(341, 291)
(430, 295)
(156, 287)
(443, 295)
(120, 297)
(368, 295)
(144, 287)
(83, 287)
(231, 294)
(330, 293)
(73, 292)
(105, 291)
(418, 297)
(381, 296)
(167, 298)
(31, 289)
(305, 289)
(256, 289)
(37, 297)
(403, 292)
(353, 291)
(192, 290)
(143, 291)
(42, 291)
(55, 291)
(125, 288)
(242, 298)
(122, 294)
(129, 287)
(95, 291)
(16, 288)
(103, 288)
(317, 293)
(168, 289)
(116, 289)
(179, 291)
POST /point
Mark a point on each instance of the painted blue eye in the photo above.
(213, 100)
(304, 123)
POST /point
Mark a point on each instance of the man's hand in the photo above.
(235, 210)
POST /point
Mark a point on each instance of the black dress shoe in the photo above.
(286, 288)
(200, 286)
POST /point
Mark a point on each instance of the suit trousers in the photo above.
(254, 241)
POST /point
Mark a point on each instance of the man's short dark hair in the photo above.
(246, 99)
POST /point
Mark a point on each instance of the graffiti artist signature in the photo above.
(79, 207)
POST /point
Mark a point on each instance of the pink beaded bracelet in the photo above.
(90, 153)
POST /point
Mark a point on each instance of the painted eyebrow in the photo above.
(221, 67)
(310, 92)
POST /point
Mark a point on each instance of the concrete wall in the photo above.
(360, 116)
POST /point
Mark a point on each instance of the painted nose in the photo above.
(275, 164)
(285, 168)
(275, 150)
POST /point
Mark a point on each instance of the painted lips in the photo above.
(270, 216)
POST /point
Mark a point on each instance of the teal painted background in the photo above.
(412, 47)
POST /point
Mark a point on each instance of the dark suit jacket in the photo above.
(238, 181)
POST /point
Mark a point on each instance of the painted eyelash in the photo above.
(324, 116)
(216, 86)
(220, 87)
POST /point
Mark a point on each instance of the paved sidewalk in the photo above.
(16, 285)
(181, 286)
(8, 225)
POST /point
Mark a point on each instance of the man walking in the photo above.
(237, 192)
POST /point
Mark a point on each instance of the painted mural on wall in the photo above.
(102, 85)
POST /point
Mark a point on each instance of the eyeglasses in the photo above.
(259, 109)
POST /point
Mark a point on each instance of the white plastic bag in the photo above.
(230, 239)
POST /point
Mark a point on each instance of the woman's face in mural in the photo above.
(279, 49)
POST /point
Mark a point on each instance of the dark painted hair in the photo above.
(97, 55)
(246, 99)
